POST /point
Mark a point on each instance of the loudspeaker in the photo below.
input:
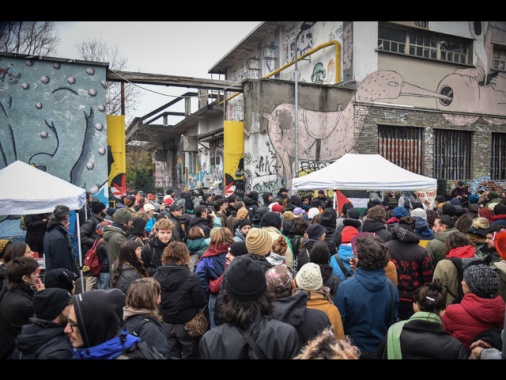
(441, 187)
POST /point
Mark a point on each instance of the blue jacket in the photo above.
(345, 253)
(365, 306)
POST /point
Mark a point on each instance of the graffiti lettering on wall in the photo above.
(307, 167)
(235, 111)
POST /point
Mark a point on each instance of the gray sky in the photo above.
(181, 48)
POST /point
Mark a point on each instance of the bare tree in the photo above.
(97, 50)
(29, 37)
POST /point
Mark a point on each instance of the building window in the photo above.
(401, 146)
(423, 44)
(499, 60)
(498, 166)
(452, 154)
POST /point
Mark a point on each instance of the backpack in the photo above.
(141, 350)
(91, 260)
(22, 224)
(461, 266)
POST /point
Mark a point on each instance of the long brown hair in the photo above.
(127, 256)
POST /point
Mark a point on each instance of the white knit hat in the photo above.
(309, 277)
(419, 212)
(312, 212)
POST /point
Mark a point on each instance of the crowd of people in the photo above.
(203, 276)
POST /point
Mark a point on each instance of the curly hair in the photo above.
(280, 245)
(325, 346)
(176, 253)
(144, 293)
(430, 298)
(372, 252)
(127, 256)
(320, 253)
(163, 224)
(243, 313)
(377, 213)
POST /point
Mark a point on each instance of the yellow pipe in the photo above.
(319, 47)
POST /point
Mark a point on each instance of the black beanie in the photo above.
(49, 303)
(448, 209)
(238, 248)
(328, 217)
(99, 314)
(97, 207)
(245, 279)
(244, 222)
(60, 278)
(271, 219)
(258, 214)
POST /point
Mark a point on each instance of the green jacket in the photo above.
(113, 237)
(436, 247)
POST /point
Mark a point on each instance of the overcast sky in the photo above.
(178, 48)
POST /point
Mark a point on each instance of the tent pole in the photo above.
(83, 288)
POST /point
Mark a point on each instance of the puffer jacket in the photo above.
(436, 247)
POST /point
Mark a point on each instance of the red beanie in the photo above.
(348, 233)
(277, 208)
(168, 201)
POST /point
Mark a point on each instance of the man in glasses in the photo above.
(44, 336)
(94, 328)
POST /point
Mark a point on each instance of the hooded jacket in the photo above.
(58, 248)
(182, 293)
(423, 231)
(211, 265)
(294, 311)
(413, 263)
(114, 236)
(365, 304)
(42, 339)
(376, 226)
(151, 254)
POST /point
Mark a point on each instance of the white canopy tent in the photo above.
(28, 190)
(364, 172)
(370, 172)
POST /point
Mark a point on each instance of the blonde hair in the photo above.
(480, 222)
(325, 346)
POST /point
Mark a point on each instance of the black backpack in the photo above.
(140, 350)
(461, 266)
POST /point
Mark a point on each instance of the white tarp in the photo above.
(364, 172)
(27, 190)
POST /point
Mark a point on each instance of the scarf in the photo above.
(109, 349)
(394, 332)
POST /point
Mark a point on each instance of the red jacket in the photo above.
(472, 316)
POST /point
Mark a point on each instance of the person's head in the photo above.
(315, 232)
(377, 213)
(271, 219)
(244, 297)
(222, 237)
(478, 230)
(348, 233)
(4, 243)
(98, 208)
(429, 297)
(279, 281)
(201, 211)
(480, 279)
(220, 205)
(289, 216)
(138, 226)
(309, 277)
(456, 239)
(325, 346)
(443, 223)
(244, 226)
(280, 245)
(123, 217)
(176, 253)
(61, 213)
(143, 294)
(399, 212)
(164, 229)
(20, 272)
(321, 194)
(89, 198)
(419, 212)
(236, 249)
(283, 192)
(320, 253)
(60, 278)
(449, 209)
(129, 252)
(499, 209)
(177, 209)
(317, 203)
(52, 304)
(195, 233)
(328, 218)
(242, 213)
(299, 227)
(258, 242)
(408, 221)
(17, 249)
(371, 252)
(344, 210)
(95, 317)
(464, 222)
(150, 209)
